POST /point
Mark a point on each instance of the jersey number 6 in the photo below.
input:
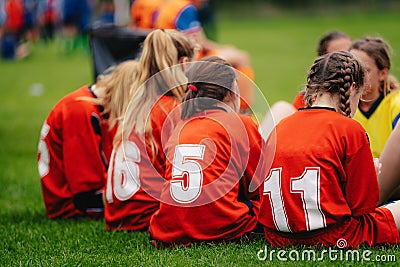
(123, 177)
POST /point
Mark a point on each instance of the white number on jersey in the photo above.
(308, 186)
(44, 155)
(187, 174)
(125, 172)
(272, 188)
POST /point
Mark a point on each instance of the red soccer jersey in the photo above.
(135, 179)
(74, 149)
(322, 175)
(211, 159)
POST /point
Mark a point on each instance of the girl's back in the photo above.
(136, 175)
(208, 204)
(212, 157)
(318, 154)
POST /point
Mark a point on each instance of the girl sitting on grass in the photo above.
(137, 164)
(76, 143)
(212, 155)
(322, 186)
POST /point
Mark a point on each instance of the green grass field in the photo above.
(281, 45)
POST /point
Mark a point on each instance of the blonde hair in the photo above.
(162, 49)
(115, 91)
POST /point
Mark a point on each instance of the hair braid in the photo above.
(334, 73)
(344, 87)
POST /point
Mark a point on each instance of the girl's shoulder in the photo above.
(168, 100)
(75, 102)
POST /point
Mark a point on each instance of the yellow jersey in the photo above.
(380, 120)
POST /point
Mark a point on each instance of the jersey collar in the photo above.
(372, 109)
(311, 108)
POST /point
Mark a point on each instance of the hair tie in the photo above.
(192, 87)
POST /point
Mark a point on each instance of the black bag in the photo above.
(110, 45)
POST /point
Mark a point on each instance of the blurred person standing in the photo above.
(77, 15)
(12, 46)
(31, 30)
(49, 13)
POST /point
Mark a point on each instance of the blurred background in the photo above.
(48, 59)
(44, 58)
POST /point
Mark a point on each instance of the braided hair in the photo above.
(334, 73)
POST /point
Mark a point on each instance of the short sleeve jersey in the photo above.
(380, 120)
(211, 159)
(181, 15)
(322, 172)
(136, 174)
(74, 148)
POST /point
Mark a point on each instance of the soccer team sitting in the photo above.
(164, 144)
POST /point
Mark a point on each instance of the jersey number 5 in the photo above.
(308, 186)
(187, 174)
